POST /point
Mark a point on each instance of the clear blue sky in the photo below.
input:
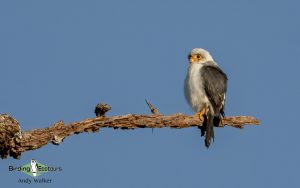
(58, 59)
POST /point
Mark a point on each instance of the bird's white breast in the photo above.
(193, 89)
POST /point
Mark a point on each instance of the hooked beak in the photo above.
(193, 58)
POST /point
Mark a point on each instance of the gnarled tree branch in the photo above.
(13, 142)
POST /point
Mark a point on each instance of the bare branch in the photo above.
(13, 142)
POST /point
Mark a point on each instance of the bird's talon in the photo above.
(221, 122)
(201, 114)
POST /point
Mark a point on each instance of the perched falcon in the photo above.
(205, 89)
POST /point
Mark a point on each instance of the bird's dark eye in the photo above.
(199, 56)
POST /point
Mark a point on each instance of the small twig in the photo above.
(152, 108)
(154, 111)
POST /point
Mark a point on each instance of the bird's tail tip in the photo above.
(209, 135)
(208, 140)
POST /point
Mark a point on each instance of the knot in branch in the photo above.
(9, 129)
(101, 109)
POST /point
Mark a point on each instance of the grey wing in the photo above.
(215, 86)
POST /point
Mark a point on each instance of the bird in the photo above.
(34, 167)
(205, 88)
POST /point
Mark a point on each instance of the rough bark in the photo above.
(13, 141)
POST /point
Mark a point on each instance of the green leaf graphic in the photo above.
(41, 169)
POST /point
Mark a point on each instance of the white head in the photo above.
(199, 55)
